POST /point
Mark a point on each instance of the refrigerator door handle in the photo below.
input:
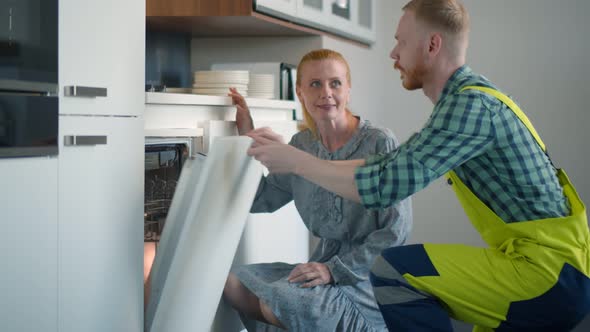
(84, 140)
(84, 91)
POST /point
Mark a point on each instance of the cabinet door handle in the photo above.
(78, 140)
(84, 91)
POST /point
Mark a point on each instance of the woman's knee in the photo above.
(269, 316)
(232, 289)
(241, 298)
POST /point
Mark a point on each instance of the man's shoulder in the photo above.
(462, 95)
(473, 79)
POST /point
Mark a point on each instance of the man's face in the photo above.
(410, 52)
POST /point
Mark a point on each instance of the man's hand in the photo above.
(266, 136)
(335, 176)
(269, 149)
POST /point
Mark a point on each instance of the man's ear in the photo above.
(435, 44)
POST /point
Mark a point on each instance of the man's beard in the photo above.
(414, 77)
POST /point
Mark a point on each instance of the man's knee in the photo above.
(391, 264)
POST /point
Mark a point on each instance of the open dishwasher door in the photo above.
(203, 229)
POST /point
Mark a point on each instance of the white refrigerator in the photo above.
(100, 165)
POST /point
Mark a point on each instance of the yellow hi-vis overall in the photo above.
(533, 277)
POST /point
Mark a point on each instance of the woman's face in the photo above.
(324, 89)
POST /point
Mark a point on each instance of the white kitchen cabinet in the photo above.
(331, 15)
(28, 249)
(286, 9)
(313, 13)
(350, 18)
(339, 13)
(73, 224)
(102, 45)
(354, 18)
(100, 234)
(364, 16)
(100, 166)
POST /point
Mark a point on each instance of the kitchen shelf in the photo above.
(218, 26)
(205, 100)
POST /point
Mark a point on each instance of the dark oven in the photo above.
(29, 105)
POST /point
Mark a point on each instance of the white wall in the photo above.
(207, 51)
(532, 49)
(537, 53)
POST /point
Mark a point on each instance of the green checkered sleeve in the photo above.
(377, 158)
(459, 129)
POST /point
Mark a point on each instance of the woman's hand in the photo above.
(311, 274)
(243, 118)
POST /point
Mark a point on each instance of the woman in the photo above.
(332, 291)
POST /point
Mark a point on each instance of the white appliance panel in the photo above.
(209, 235)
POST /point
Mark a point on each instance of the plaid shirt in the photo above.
(484, 142)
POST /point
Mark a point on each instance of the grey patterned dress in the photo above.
(350, 238)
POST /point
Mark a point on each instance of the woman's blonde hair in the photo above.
(318, 55)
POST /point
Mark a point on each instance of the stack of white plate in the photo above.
(218, 82)
(261, 86)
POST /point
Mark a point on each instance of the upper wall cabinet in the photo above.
(352, 20)
(364, 16)
(313, 13)
(286, 9)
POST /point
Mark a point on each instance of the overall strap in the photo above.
(512, 105)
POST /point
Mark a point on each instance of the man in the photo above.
(534, 275)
